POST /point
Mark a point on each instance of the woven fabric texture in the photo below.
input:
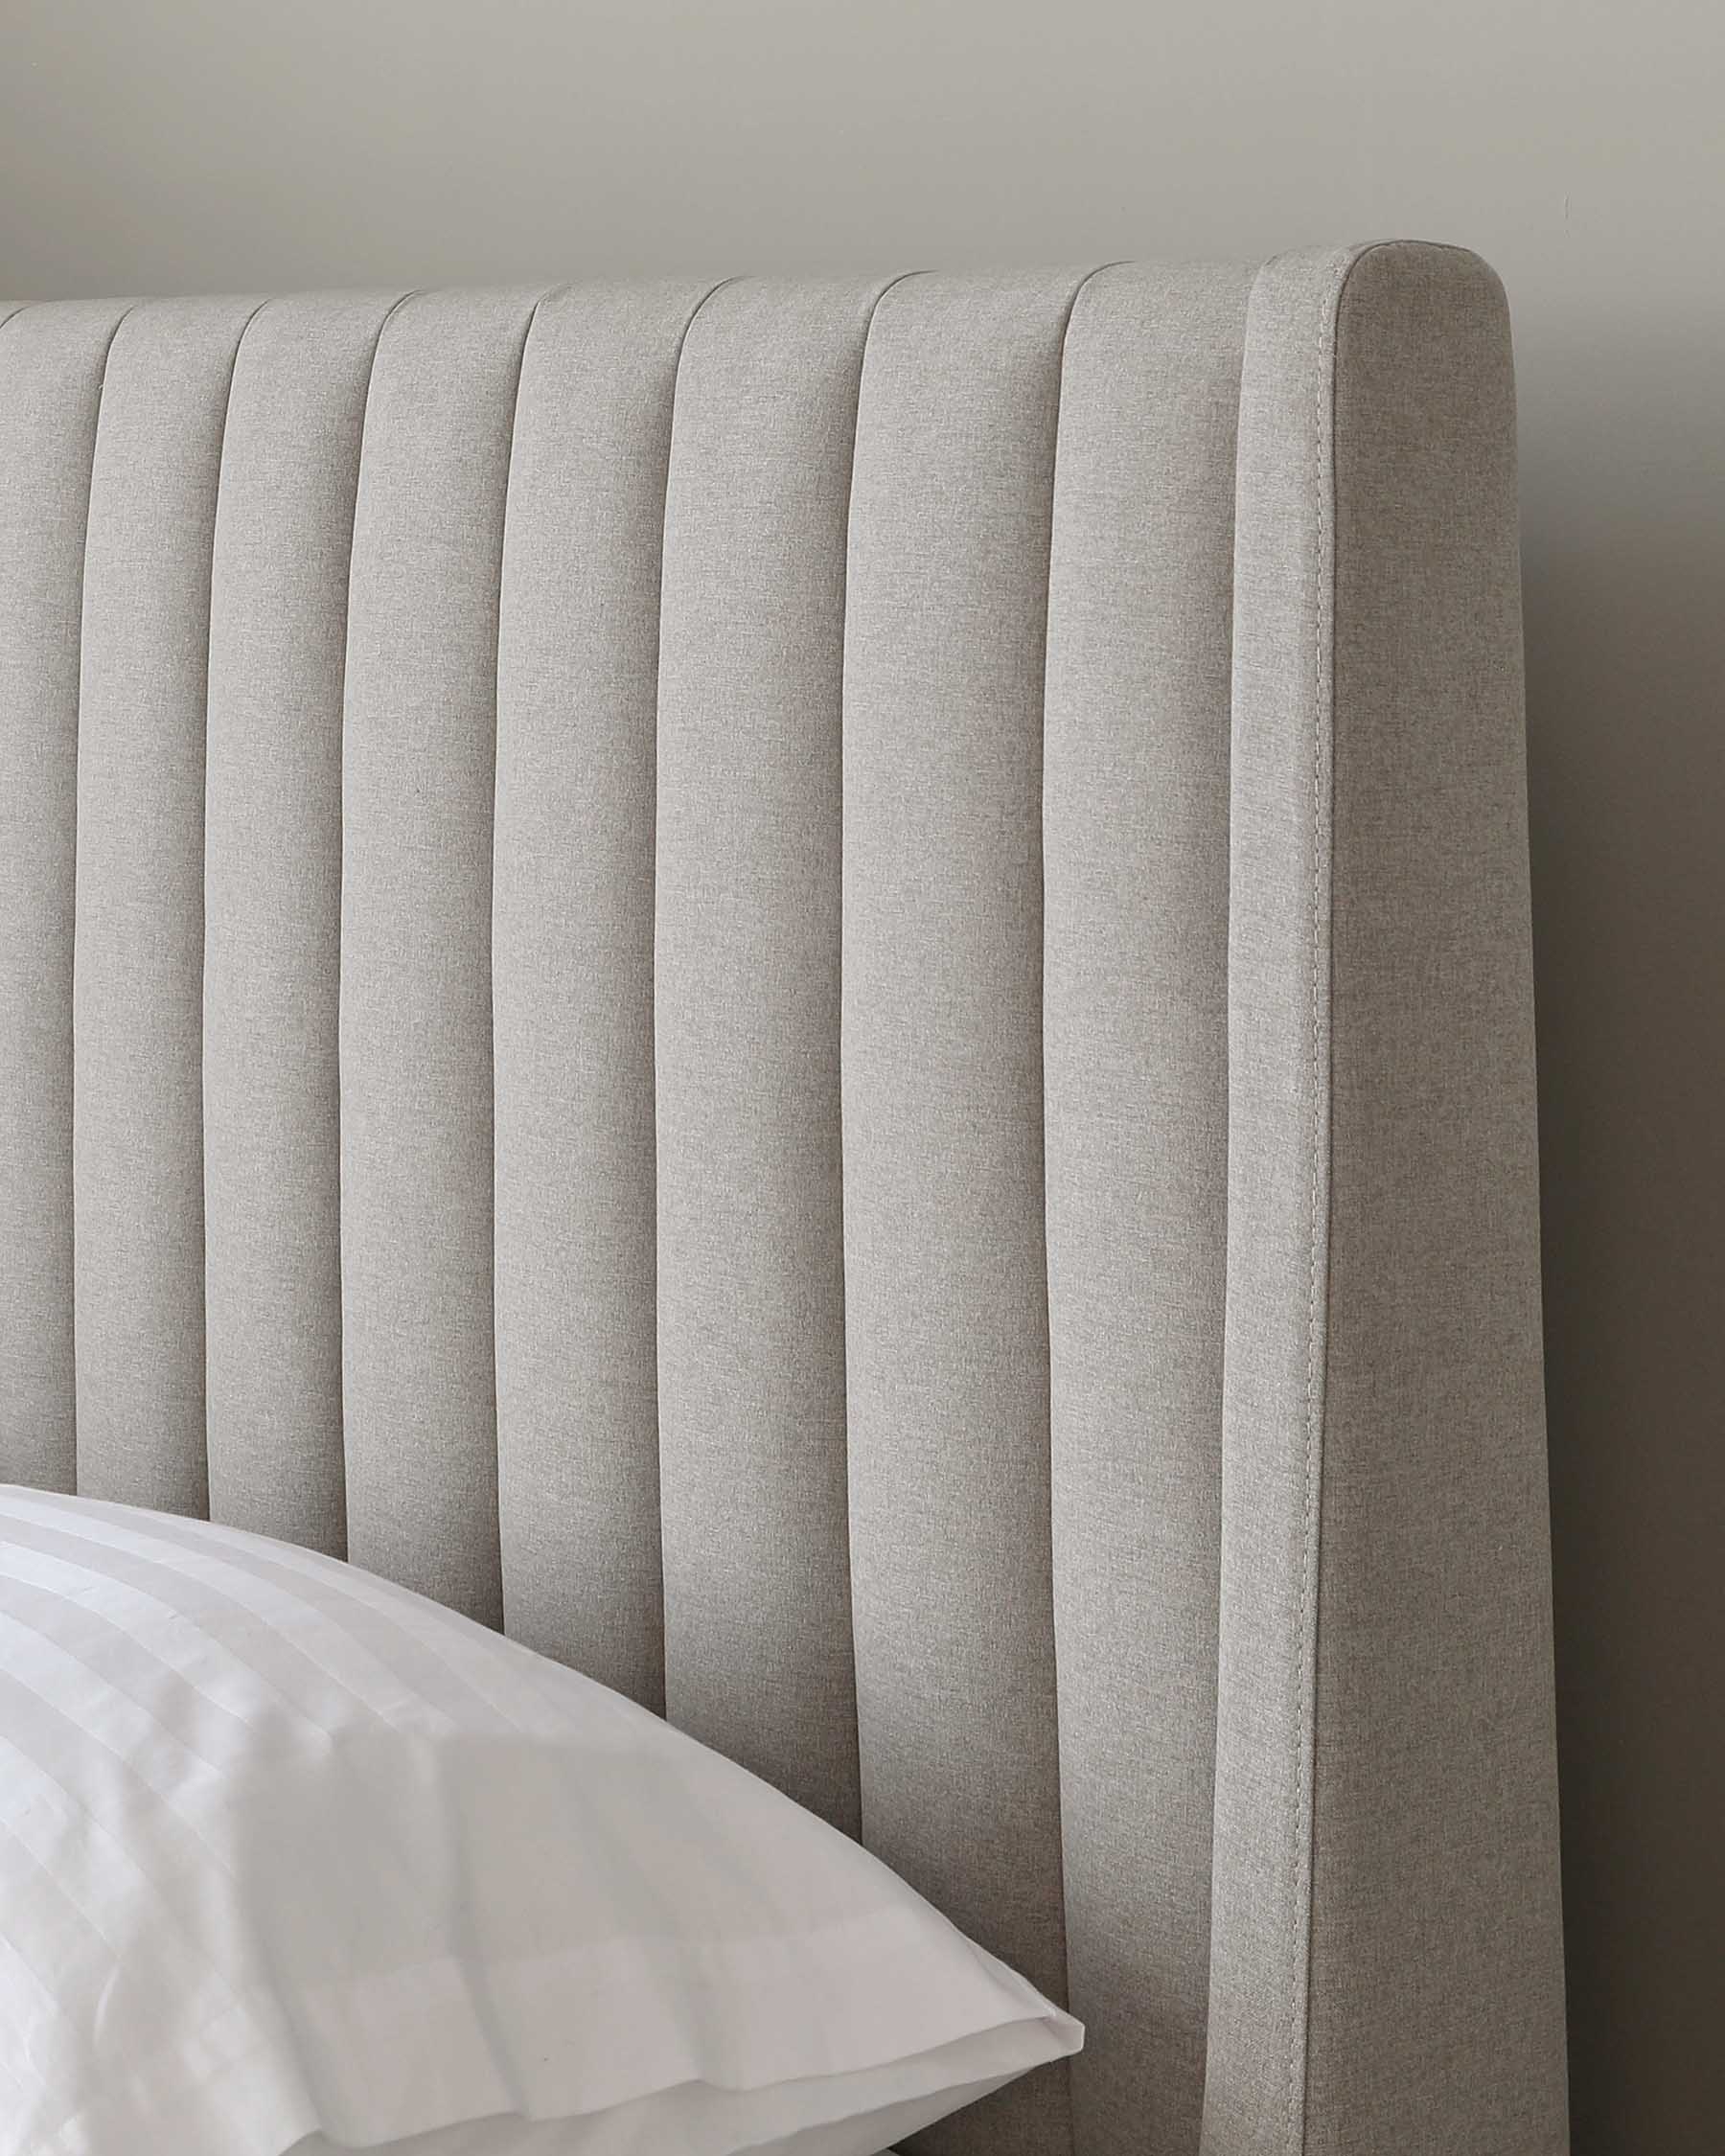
(819, 992)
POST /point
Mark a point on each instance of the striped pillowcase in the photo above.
(291, 1857)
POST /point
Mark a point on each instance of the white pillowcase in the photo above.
(292, 1859)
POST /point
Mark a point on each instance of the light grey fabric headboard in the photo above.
(821, 991)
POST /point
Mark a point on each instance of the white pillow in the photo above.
(292, 1858)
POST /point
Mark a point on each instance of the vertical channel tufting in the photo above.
(945, 1276)
(138, 978)
(51, 367)
(418, 1383)
(750, 1184)
(1136, 863)
(572, 981)
(272, 905)
(632, 946)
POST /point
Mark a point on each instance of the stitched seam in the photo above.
(1065, 331)
(84, 567)
(1303, 1809)
(551, 291)
(891, 284)
(390, 313)
(652, 967)
(203, 871)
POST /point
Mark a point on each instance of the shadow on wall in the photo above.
(1625, 569)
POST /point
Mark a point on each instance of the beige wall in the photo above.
(166, 145)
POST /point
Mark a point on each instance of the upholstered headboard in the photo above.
(821, 991)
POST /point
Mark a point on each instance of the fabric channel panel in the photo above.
(418, 1346)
